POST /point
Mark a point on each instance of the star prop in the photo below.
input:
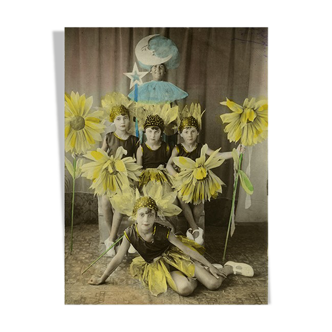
(136, 76)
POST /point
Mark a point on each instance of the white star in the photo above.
(136, 76)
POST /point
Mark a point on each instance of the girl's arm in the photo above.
(226, 155)
(115, 262)
(169, 166)
(104, 146)
(139, 156)
(194, 255)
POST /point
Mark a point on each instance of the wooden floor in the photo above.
(248, 245)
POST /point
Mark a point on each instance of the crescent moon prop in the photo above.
(147, 56)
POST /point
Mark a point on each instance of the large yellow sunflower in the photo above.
(82, 128)
(248, 122)
(110, 174)
(196, 183)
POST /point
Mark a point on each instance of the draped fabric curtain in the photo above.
(215, 63)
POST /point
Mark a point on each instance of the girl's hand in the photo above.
(215, 272)
(95, 281)
(240, 149)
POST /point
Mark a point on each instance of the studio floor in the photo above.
(248, 244)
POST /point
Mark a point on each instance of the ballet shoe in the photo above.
(199, 239)
(241, 269)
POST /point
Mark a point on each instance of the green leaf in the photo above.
(245, 183)
(69, 166)
(236, 159)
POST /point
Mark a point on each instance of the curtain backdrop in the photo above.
(215, 63)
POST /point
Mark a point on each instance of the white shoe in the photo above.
(111, 252)
(189, 234)
(241, 269)
(199, 239)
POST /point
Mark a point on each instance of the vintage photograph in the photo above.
(166, 165)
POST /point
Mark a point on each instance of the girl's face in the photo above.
(158, 72)
(153, 134)
(122, 122)
(145, 218)
(189, 134)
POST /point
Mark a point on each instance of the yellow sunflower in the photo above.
(110, 174)
(196, 183)
(248, 122)
(82, 128)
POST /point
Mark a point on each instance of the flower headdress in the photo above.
(114, 104)
(118, 110)
(156, 115)
(190, 117)
(130, 201)
(154, 121)
(145, 201)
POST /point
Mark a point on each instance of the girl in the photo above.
(189, 130)
(165, 258)
(154, 154)
(120, 116)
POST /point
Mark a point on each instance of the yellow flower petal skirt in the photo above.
(194, 191)
(156, 275)
(156, 175)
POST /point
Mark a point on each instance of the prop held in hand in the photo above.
(119, 239)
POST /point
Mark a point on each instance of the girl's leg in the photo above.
(188, 214)
(107, 211)
(197, 211)
(207, 279)
(117, 218)
(184, 286)
(112, 222)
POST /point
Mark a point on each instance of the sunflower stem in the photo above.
(233, 205)
(72, 206)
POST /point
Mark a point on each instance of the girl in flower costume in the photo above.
(154, 154)
(193, 178)
(119, 110)
(166, 259)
